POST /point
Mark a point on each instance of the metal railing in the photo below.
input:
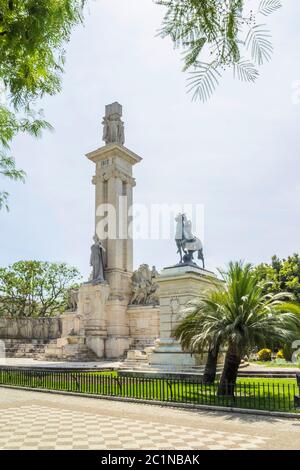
(269, 396)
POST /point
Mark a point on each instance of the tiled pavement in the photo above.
(32, 420)
(41, 427)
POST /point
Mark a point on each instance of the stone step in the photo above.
(49, 350)
(77, 351)
(24, 348)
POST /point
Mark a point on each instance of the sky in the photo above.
(237, 155)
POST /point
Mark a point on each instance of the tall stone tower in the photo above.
(114, 185)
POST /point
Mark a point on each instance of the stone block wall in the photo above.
(45, 328)
(53, 336)
(30, 328)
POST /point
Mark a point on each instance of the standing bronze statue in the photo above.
(187, 244)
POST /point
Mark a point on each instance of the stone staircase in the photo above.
(71, 349)
(19, 348)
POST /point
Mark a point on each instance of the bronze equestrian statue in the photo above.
(187, 244)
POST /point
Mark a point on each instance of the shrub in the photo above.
(264, 355)
(280, 354)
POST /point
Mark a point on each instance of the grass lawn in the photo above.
(255, 393)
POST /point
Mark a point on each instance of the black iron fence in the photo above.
(270, 396)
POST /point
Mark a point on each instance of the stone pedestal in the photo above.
(92, 307)
(143, 325)
(177, 285)
(116, 313)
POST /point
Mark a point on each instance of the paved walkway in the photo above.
(28, 362)
(33, 420)
(261, 368)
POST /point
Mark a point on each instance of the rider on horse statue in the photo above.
(186, 242)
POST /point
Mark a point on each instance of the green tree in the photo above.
(33, 35)
(281, 275)
(35, 288)
(219, 35)
(240, 316)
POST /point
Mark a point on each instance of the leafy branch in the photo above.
(267, 7)
(203, 81)
(224, 34)
(11, 124)
(33, 35)
(245, 71)
(258, 41)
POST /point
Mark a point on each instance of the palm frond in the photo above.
(245, 71)
(203, 81)
(258, 41)
(267, 7)
(4, 200)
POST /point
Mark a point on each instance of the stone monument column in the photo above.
(114, 184)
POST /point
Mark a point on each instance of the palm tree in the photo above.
(238, 314)
(193, 339)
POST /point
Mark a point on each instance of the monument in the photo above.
(124, 310)
(178, 285)
(118, 311)
(104, 300)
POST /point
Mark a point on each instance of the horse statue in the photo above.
(186, 243)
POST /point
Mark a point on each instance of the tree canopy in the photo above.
(217, 35)
(281, 275)
(35, 288)
(33, 35)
